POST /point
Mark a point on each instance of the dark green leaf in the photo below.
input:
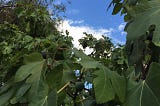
(68, 74)
(145, 93)
(34, 57)
(84, 60)
(38, 93)
(119, 85)
(54, 77)
(107, 84)
(52, 98)
(145, 14)
(21, 91)
(5, 97)
(117, 8)
(34, 69)
(104, 91)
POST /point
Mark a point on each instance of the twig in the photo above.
(64, 87)
(7, 6)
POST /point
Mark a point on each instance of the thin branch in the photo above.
(7, 6)
(64, 87)
(81, 100)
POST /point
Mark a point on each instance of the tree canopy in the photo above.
(39, 65)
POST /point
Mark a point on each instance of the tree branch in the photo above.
(64, 87)
(7, 6)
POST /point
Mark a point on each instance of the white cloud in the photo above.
(88, 50)
(123, 33)
(77, 31)
(75, 22)
(121, 26)
(73, 11)
(77, 27)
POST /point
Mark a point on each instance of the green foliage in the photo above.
(108, 84)
(84, 60)
(142, 51)
(101, 47)
(144, 89)
(40, 67)
(117, 8)
(144, 15)
(52, 99)
(32, 68)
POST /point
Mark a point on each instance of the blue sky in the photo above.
(93, 12)
(92, 16)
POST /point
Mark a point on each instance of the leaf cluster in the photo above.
(142, 48)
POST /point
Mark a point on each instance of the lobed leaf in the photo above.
(85, 61)
(108, 84)
(33, 73)
(144, 15)
(102, 86)
(4, 98)
(34, 57)
(145, 93)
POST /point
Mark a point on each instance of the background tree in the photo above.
(39, 64)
